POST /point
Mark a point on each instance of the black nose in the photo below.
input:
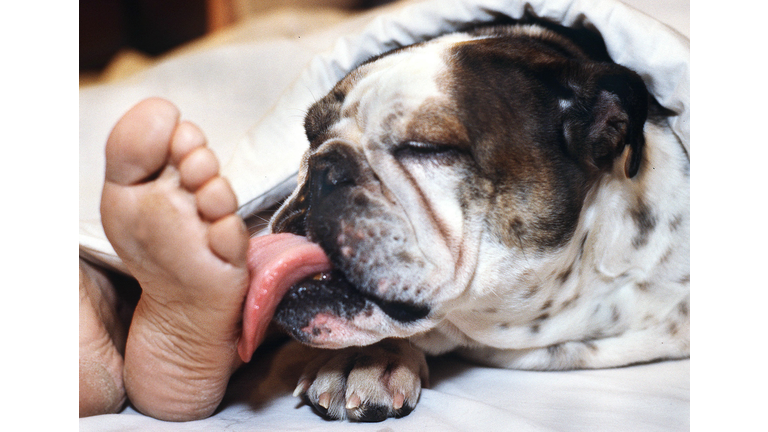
(335, 167)
(330, 172)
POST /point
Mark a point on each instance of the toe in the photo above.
(216, 199)
(198, 167)
(186, 138)
(138, 146)
(228, 238)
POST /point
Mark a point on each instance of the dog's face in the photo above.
(437, 160)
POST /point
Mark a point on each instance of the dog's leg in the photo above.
(665, 341)
(368, 383)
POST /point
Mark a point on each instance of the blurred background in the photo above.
(121, 37)
(149, 28)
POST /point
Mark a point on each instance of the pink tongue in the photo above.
(276, 263)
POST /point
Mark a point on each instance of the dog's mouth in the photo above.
(294, 283)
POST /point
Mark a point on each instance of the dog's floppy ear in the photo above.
(607, 115)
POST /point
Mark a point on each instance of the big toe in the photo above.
(139, 144)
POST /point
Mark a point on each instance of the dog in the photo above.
(506, 193)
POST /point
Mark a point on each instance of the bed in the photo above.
(248, 87)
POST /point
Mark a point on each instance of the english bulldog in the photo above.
(507, 193)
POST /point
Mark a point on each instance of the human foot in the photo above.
(102, 340)
(170, 217)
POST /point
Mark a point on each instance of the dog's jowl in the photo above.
(503, 193)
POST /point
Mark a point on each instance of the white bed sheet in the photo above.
(462, 397)
(227, 85)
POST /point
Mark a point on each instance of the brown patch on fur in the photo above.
(571, 301)
(351, 110)
(531, 291)
(435, 122)
(615, 314)
(592, 346)
(563, 277)
(327, 111)
(667, 255)
(582, 245)
(516, 140)
(674, 225)
(673, 328)
(646, 223)
(556, 350)
(321, 116)
(537, 322)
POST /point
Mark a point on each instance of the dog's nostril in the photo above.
(335, 167)
(335, 176)
(329, 178)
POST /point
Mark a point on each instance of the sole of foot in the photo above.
(171, 219)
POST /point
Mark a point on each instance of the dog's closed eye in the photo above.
(438, 153)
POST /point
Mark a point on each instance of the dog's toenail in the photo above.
(353, 401)
(324, 400)
(399, 401)
(301, 388)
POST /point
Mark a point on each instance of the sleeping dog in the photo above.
(506, 193)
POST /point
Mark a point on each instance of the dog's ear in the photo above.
(607, 114)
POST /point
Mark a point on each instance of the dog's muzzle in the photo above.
(346, 305)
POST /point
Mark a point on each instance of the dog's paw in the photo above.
(369, 383)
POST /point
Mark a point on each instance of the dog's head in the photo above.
(431, 163)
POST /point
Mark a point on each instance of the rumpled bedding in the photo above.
(249, 89)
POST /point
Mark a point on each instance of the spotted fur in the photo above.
(504, 194)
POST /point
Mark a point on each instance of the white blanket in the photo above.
(462, 397)
(225, 87)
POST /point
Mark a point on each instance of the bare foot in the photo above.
(170, 217)
(102, 341)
